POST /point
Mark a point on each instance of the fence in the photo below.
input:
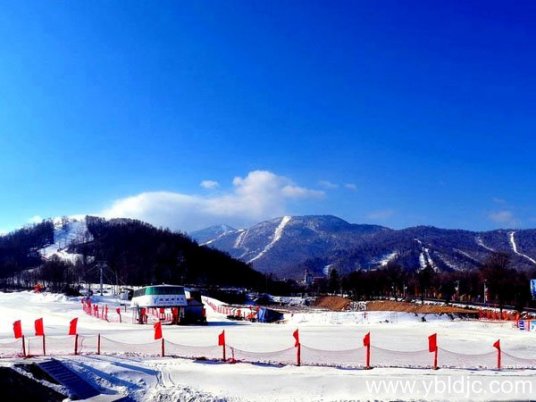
(365, 356)
(243, 312)
(117, 314)
(103, 312)
(302, 354)
(497, 315)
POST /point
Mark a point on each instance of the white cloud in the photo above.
(504, 217)
(328, 185)
(260, 195)
(498, 200)
(209, 184)
(351, 186)
(380, 215)
(35, 219)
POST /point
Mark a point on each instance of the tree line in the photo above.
(496, 279)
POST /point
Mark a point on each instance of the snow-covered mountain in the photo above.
(288, 245)
(281, 246)
(212, 233)
(284, 246)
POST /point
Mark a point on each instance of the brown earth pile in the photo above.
(337, 303)
(406, 307)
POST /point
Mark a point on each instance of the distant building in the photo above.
(308, 278)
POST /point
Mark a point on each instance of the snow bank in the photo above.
(363, 317)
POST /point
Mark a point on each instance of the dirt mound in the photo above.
(334, 303)
(389, 305)
(337, 303)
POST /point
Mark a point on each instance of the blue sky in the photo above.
(193, 113)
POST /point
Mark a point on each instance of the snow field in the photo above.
(163, 379)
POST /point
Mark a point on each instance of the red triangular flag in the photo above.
(17, 329)
(432, 343)
(221, 338)
(366, 340)
(118, 310)
(39, 327)
(72, 326)
(157, 330)
(296, 336)
(497, 344)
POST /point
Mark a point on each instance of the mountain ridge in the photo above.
(288, 245)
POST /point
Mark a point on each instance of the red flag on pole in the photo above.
(366, 340)
(221, 338)
(157, 330)
(432, 343)
(17, 329)
(432, 347)
(296, 336)
(39, 327)
(497, 345)
(118, 310)
(72, 326)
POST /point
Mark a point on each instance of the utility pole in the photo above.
(101, 275)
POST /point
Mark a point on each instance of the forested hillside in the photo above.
(140, 254)
(132, 252)
(19, 250)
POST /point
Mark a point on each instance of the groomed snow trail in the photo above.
(277, 236)
(514, 248)
(216, 239)
(386, 259)
(64, 234)
(240, 239)
(480, 242)
(424, 257)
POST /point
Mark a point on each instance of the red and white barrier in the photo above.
(366, 355)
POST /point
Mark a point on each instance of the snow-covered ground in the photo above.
(169, 379)
(66, 231)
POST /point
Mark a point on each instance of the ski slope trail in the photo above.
(511, 236)
(216, 239)
(240, 239)
(425, 259)
(386, 259)
(276, 237)
(480, 242)
(66, 232)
